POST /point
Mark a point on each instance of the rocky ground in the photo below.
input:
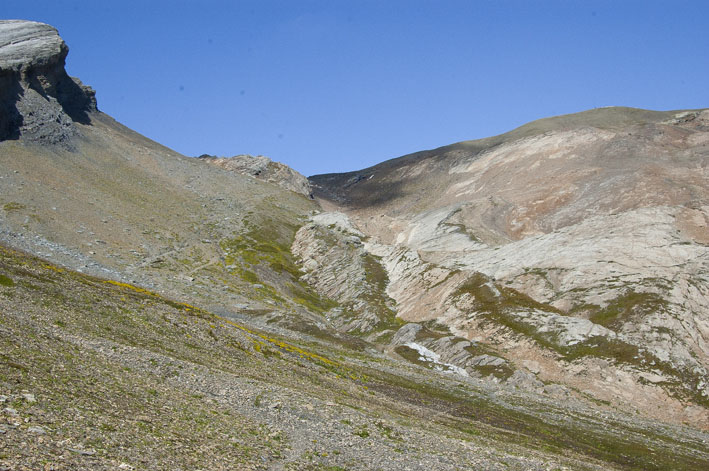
(104, 375)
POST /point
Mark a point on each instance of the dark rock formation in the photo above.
(39, 102)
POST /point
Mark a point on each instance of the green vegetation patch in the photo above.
(481, 288)
(309, 299)
(378, 279)
(6, 281)
(268, 242)
(411, 355)
(261, 256)
(253, 251)
(13, 206)
(501, 372)
(498, 307)
(247, 275)
(612, 349)
(632, 303)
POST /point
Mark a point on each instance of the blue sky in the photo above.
(329, 86)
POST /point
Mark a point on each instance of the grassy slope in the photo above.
(122, 375)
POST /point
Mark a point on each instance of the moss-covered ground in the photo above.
(261, 258)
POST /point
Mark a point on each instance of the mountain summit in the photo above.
(38, 100)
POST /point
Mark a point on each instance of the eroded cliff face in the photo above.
(574, 249)
(38, 100)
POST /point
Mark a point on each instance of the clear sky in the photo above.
(329, 86)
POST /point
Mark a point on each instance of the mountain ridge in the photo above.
(603, 118)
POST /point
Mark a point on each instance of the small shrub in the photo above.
(6, 281)
(13, 206)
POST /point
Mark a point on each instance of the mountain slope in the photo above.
(546, 174)
(102, 199)
(103, 375)
(189, 313)
(574, 247)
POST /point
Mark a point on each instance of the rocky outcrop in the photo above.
(39, 102)
(448, 353)
(337, 266)
(263, 168)
(575, 244)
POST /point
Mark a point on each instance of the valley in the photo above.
(534, 300)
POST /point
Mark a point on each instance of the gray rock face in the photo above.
(263, 168)
(39, 102)
(337, 266)
(27, 44)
